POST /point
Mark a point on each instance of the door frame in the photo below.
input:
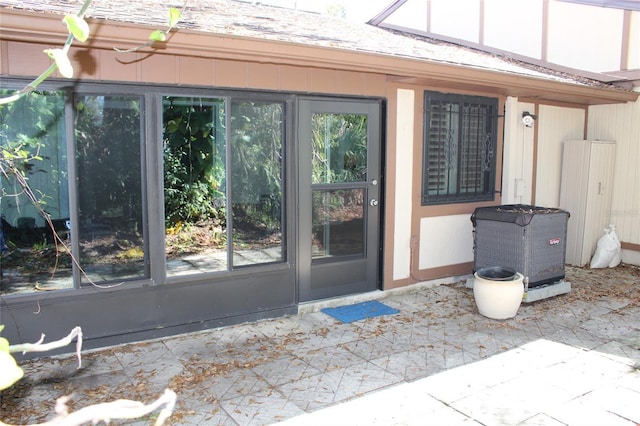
(364, 272)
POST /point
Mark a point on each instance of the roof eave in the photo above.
(47, 28)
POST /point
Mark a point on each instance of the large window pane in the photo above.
(338, 223)
(339, 159)
(109, 183)
(33, 128)
(194, 185)
(339, 148)
(256, 182)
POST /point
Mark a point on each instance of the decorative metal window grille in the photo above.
(460, 142)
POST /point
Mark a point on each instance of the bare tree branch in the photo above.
(43, 347)
(114, 410)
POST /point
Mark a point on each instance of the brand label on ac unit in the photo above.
(554, 241)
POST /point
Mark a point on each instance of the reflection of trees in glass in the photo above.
(339, 148)
(109, 187)
(338, 222)
(194, 160)
(108, 158)
(256, 155)
(31, 132)
(196, 173)
(339, 156)
(32, 137)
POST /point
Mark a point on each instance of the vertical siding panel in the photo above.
(231, 73)
(634, 178)
(511, 171)
(114, 66)
(623, 173)
(324, 81)
(404, 151)
(4, 57)
(621, 123)
(294, 78)
(375, 84)
(615, 133)
(517, 155)
(555, 125)
(85, 63)
(195, 71)
(264, 76)
(350, 83)
(27, 59)
(159, 69)
(621, 206)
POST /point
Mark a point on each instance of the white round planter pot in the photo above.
(498, 298)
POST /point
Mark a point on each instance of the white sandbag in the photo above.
(617, 258)
(606, 250)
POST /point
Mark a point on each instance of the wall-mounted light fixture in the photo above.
(528, 119)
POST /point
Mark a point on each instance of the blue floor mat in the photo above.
(359, 311)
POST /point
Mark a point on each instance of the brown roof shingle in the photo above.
(239, 18)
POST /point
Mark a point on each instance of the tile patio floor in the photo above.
(570, 360)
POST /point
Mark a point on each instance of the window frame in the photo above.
(485, 190)
(152, 174)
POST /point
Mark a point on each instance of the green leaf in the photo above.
(62, 61)
(77, 26)
(158, 35)
(174, 16)
(9, 370)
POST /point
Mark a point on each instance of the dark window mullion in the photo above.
(461, 148)
(478, 170)
(72, 182)
(228, 175)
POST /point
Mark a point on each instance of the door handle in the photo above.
(373, 202)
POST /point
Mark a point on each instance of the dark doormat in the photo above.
(359, 311)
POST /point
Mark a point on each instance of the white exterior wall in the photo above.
(448, 240)
(555, 125)
(621, 123)
(579, 36)
(584, 37)
(633, 61)
(514, 27)
(517, 172)
(404, 176)
(458, 19)
(445, 240)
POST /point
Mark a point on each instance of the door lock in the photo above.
(373, 202)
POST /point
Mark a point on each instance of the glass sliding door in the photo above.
(93, 153)
(223, 184)
(110, 225)
(256, 182)
(195, 200)
(33, 137)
